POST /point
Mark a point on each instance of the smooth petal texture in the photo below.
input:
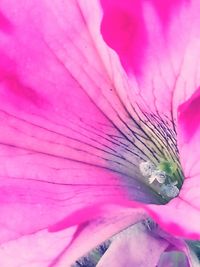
(189, 118)
(63, 248)
(134, 247)
(158, 45)
(178, 225)
(123, 28)
(60, 150)
(37, 250)
(90, 234)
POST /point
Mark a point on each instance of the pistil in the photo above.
(165, 177)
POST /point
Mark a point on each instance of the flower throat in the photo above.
(165, 178)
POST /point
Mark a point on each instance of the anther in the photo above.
(147, 168)
(159, 176)
(170, 190)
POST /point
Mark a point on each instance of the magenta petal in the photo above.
(124, 30)
(189, 140)
(168, 76)
(187, 204)
(37, 250)
(54, 141)
(5, 25)
(189, 117)
(178, 225)
(66, 113)
(64, 143)
(90, 234)
(157, 48)
(134, 247)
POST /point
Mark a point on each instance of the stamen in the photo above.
(147, 168)
(169, 190)
(162, 176)
(159, 176)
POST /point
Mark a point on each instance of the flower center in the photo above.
(165, 177)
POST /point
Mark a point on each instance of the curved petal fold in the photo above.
(110, 221)
(126, 251)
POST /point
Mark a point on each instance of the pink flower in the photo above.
(99, 111)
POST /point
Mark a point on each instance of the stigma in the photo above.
(162, 177)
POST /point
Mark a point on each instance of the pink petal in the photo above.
(187, 204)
(123, 29)
(177, 225)
(189, 140)
(189, 118)
(64, 143)
(66, 110)
(5, 25)
(38, 250)
(91, 233)
(158, 45)
(134, 247)
(167, 75)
